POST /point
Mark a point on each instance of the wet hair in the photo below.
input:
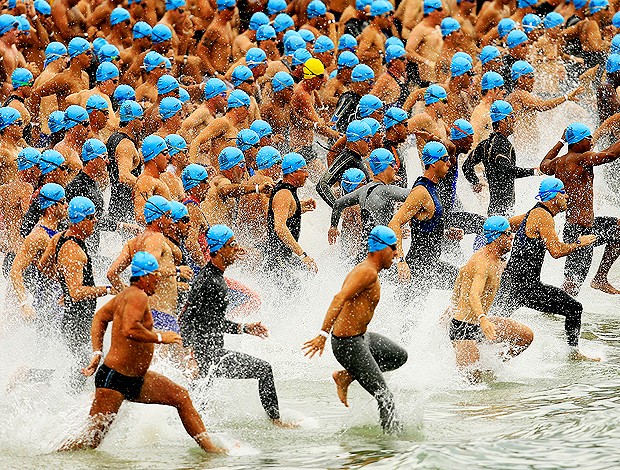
(496, 125)
(134, 279)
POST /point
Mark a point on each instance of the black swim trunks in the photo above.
(463, 331)
(130, 387)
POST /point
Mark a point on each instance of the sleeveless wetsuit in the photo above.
(121, 200)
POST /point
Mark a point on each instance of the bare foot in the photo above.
(604, 286)
(577, 355)
(343, 379)
(570, 288)
(284, 424)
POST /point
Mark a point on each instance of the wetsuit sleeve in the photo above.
(396, 193)
(505, 166)
(331, 176)
(341, 204)
(470, 162)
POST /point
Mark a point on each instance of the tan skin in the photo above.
(10, 145)
(215, 47)
(15, 198)
(11, 58)
(460, 100)
(276, 110)
(127, 156)
(480, 118)
(425, 43)
(48, 104)
(352, 310)
(371, 43)
(429, 125)
(131, 353)
(490, 15)
(149, 184)
(202, 116)
(386, 88)
(71, 147)
(172, 177)
(198, 223)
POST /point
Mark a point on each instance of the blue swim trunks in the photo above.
(165, 321)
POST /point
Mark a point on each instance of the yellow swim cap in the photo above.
(313, 68)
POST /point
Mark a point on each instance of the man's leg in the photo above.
(578, 262)
(388, 355)
(160, 390)
(467, 356)
(515, 334)
(607, 231)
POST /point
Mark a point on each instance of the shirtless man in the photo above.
(120, 22)
(430, 121)
(466, 16)
(372, 40)
(474, 292)
(364, 355)
(492, 86)
(154, 65)
(490, 15)
(163, 302)
(320, 21)
(196, 185)
(155, 155)
(77, 126)
(425, 42)
(124, 375)
(220, 132)
(179, 159)
(167, 86)
(337, 85)
(246, 40)
(10, 55)
(392, 87)
(134, 55)
(460, 100)
(11, 142)
(576, 170)
(171, 114)
(21, 81)
(214, 103)
(55, 62)
(215, 47)
(276, 108)
(68, 20)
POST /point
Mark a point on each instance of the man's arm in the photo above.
(30, 249)
(506, 167)
(132, 326)
(547, 166)
(102, 318)
(474, 299)
(545, 226)
(281, 205)
(191, 243)
(473, 159)
(125, 153)
(118, 266)
(226, 190)
(71, 262)
(608, 155)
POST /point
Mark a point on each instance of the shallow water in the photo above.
(539, 411)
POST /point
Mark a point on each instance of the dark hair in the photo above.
(134, 279)
(496, 125)
(484, 92)
(426, 167)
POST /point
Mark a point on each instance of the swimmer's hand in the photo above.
(265, 188)
(454, 233)
(28, 312)
(256, 329)
(332, 234)
(586, 240)
(310, 264)
(404, 273)
(488, 328)
(477, 188)
(307, 205)
(92, 367)
(315, 345)
(572, 96)
(185, 272)
(170, 337)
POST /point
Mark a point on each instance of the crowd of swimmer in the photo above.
(203, 119)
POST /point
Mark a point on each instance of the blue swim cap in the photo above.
(42, 7)
(106, 71)
(183, 95)
(500, 110)
(214, 87)
(246, 139)
(262, 128)
(459, 66)
(93, 148)
(515, 38)
(489, 53)
(292, 162)
(613, 63)
(98, 43)
(24, 24)
(237, 99)
(347, 43)
(579, 4)
(461, 129)
(520, 68)
(362, 4)
(27, 158)
(193, 175)
(549, 188)
(96, 103)
(394, 52)
(108, 53)
(449, 25)
(80, 208)
(218, 236)
(152, 146)
(152, 60)
(300, 56)
(615, 45)
(124, 93)
(174, 4)
(530, 22)
(433, 152)
(254, 57)
(267, 157)
(293, 42)
(380, 7)
(576, 132)
(142, 30)
(265, 33)
(504, 26)
(394, 116)
(381, 236)
(464, 55)
(373, 124)
(53, 52)
(78, 46)
(166, 84)
(307, 36)
(50, 160)
(431, 5)
(362, 73)
(7, 23)
(357, 130)
(615, 21)
(178, 211)
(161, 33)
(282, 22)
(143, 264)
(175, 143)
(155, 208)
(434, 93)
(491, 80)
(323, 44)
(50, 194)
(394, 41)
(526, 3)
(316, 8)
(229, 158)
(351, 179)
(275, 6)
(225, 4)
(21, 77)
(380, 160)
(598, 5)
(130, 110)
(257, 20)
(553, 20)
(494, 227)
(8, 117)
(240, 74)
(75, 115)
(347, 59)
(56, 121)
(119, 15)
(169, 107)
(280, 81)
(368, 105)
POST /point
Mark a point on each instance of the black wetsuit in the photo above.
(346, 110)
(401, 170)
(355, 26)
(121, 200)
(521, 286)
(347, 159)
(404, 92)
(203, 324)
(366, 357)
(427, 270)
(499, 159)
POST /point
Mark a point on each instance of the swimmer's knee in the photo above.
(402, 357)
(182, 397)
